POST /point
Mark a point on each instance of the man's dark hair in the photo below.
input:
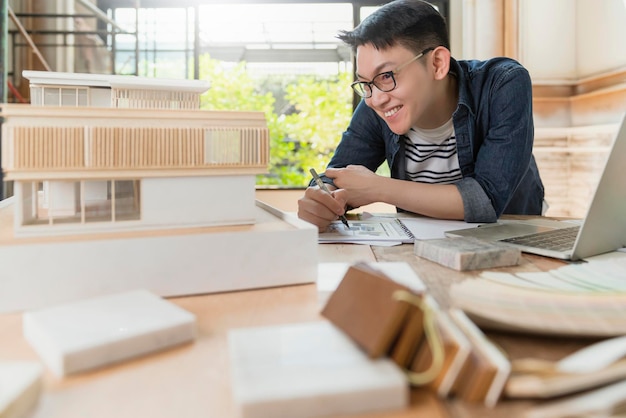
(413, 24)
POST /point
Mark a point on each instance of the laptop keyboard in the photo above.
(556, 240)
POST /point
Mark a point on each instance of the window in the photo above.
(74, 202)
(59, 96)
(287, 50)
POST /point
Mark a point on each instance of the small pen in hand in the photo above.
(322, 186)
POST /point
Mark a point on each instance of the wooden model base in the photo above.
(38, 272)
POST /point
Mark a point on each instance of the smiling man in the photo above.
(457, 135)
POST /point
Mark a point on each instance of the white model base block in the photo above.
(20, 386)
(37, 273)
(309, 370)
(95, 332)
(165, 203)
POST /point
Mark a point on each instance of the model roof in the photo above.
(114, 81)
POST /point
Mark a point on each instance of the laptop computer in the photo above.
(602, 230)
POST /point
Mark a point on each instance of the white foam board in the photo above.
(309, 370)
(277, 250)
(20, 386)
(95, 332)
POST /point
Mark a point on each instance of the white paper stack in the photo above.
(309, 370)
(329, 275)
(20, 385)
(95, 332)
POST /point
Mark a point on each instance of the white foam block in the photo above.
(20, 385)
(91, 333)
(309, 370)
(278, 250)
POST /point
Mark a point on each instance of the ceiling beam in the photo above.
(241, 53)
(108, 4)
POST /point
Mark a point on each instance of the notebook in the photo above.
(602, 230)
(368, 230)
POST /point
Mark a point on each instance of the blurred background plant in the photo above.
(306, 115)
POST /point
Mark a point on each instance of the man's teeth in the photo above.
(392, 111)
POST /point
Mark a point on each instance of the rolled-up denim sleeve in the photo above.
(477, 206)
(505, 153)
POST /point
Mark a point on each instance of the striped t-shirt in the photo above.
(431, 155)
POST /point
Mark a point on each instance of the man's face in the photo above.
(409, 103)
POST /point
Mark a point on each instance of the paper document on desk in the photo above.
(373, 231)
(329, 275)
(430, 228)
(422, 227)
(579, 299)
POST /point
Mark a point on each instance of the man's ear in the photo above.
(441, 62)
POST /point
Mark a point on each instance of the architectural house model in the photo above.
(49, 88)
(85, 169)
(122, 182)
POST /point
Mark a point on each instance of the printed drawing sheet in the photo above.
(369, 231)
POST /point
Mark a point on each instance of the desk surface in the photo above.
(193, 380)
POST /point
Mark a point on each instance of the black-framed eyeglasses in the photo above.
(384, 82)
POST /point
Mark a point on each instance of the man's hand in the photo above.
(359, 182)
(321, 208)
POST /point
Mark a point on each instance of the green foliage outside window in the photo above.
(305, 115)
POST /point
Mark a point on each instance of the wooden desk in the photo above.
(438, 280)
(193, 380)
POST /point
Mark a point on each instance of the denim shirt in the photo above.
(493, 124)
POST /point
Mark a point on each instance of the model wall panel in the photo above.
(40, 148)
(224, 200)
